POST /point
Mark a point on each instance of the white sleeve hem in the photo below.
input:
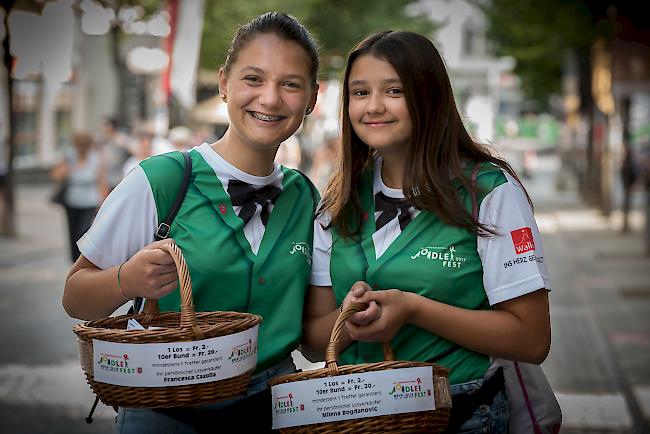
(94, 254)
(320, 279)
(124, 224)
(517, 289)
(320, 268)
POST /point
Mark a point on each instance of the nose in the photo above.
(270, 96)
(375, 104)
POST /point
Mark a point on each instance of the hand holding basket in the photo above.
(169, 327)
(433, 421)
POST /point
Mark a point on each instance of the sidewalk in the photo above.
(600, 308)
(599, 363)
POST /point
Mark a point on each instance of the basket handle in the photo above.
(331, 353)
(188, 316)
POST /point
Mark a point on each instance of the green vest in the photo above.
(429, 258)
(226, 275)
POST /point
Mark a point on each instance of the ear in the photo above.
(223, 82)
(314, 97)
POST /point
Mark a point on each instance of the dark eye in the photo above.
(252, 79)
(291, 85)
(394, 91)
(359, 92)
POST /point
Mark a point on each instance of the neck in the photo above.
(256, 162)
(392, 171)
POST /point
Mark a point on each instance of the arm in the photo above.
(320, 314)
(60, 172)
(92, 293)
(91, 289)
(518, 326)
(517, 329)
(320, 310)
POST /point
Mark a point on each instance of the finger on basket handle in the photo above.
(188, 316)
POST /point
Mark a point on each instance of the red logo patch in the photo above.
(522, 239)
(222, 208)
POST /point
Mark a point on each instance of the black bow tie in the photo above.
(388, 207)
(244, 195)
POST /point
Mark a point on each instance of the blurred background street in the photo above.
(560, 88)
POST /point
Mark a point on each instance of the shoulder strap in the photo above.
(163, 228)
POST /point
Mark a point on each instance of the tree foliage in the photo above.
(538, 34)
(336, 24)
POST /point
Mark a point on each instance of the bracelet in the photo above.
(119, 285)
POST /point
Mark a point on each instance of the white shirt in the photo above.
(506, 274)
(128, 217)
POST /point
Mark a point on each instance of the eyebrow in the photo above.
(261, 72)
(361, 82)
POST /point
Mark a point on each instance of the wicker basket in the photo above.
(185, 326)
(434, 421)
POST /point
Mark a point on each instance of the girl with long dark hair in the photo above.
(429, 229)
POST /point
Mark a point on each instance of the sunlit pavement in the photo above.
(600, 308)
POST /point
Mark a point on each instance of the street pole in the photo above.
(7, 219)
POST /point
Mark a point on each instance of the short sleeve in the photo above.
(124, 224)
(320, 268)
(513, 260)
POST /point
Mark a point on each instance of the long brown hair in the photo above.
(440, 147)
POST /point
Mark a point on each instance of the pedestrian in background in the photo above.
(80, 171)
(141, 148)
(114, 146)
(324, 160)
(289, 154)
(180, 138)
(435, 234)
(238, 227)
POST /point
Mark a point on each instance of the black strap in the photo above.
(161, 233)
(163, 228)
(89, 419)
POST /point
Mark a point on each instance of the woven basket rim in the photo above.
(358, 368)
(211, 324)
(202, 324)
(207, 320)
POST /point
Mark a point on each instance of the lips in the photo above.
(265, 117)
(378, 123)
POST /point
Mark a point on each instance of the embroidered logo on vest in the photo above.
(301, 248)
(446, 256)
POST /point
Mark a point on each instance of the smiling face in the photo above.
(377, 106)
(268, 89)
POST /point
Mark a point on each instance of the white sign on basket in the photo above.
(175, 363)
(353, 396)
